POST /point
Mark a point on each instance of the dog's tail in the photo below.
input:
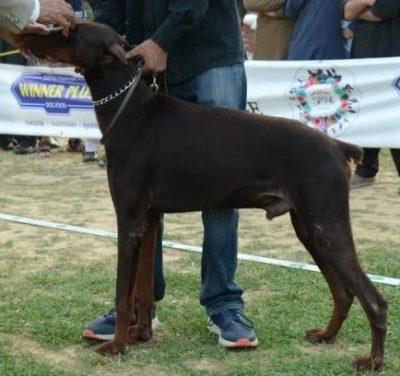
(351, 152)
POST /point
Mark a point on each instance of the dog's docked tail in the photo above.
(351, 152)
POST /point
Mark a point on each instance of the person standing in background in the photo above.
(317, 34)
(377, 35)
(21, 144)
(273, 29)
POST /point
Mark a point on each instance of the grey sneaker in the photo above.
(89, 156)
(358, 181)
(103, 327)
(234, 329)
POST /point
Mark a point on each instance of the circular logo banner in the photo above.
(324, 99)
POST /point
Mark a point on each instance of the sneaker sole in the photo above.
(239, 344)
(89, 334)
(361, 185)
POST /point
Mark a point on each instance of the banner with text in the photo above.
(354, 100)
(41, 101)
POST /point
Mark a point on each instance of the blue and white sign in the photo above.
(55, 93)
(354, 100)
(42, 101)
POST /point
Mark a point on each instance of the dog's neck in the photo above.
(107, 80)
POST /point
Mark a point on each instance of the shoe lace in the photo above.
(236, 315)
(111, 315)
(240, 316)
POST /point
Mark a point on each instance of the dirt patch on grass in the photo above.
(209, 365)
(128, 371)
(66, 358)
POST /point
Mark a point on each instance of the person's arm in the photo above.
(263, 6)
(367, 15)
(112, 13)
(292, 8)
(16, 15)
(354, 8)
(385, 9)
(184, 16)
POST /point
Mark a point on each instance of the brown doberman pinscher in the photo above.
(167, 156)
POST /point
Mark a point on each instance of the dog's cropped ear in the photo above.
(118, 52)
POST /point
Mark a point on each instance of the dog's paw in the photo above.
(367, 364)
(138, 334)
(318, 336)
(146, 335)
(111, 348)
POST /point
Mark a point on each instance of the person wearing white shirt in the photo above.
(30, 16)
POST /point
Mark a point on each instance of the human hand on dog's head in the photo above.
(154, 57)
(57, 12)
(89, 46)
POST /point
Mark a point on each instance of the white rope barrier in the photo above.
(184, 247)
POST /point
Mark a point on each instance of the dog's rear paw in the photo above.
(111, 348)
(366, 364)
(318, 336)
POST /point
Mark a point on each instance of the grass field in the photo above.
(53, 282)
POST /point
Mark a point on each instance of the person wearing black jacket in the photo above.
(377, 34)
(198, 44)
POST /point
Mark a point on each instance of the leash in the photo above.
(154, 85)
(10, 53)
(131, 86)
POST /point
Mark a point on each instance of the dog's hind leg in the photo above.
(342, 297)
(144, 286)
(332, 244)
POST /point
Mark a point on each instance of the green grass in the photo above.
(44, 313)
(52, 283)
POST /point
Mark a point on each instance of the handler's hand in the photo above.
(155, 58)
(57, 12)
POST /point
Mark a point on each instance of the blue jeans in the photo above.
(218, 87)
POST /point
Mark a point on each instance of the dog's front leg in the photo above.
(130, 237)
(144, 286)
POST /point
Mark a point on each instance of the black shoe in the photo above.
(22, 150)
(102, 162)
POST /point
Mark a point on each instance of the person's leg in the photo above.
(5, 141)
(26, 145)
(218, 87)
(364, 174)
(221, 296)
(370, 163)
(89, 154)
(396, 159)
(221, 87)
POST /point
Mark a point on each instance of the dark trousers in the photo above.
(370, 166)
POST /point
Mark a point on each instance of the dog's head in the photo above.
(90, 45)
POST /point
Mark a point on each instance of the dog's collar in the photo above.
(117, 93)
(130, 88)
